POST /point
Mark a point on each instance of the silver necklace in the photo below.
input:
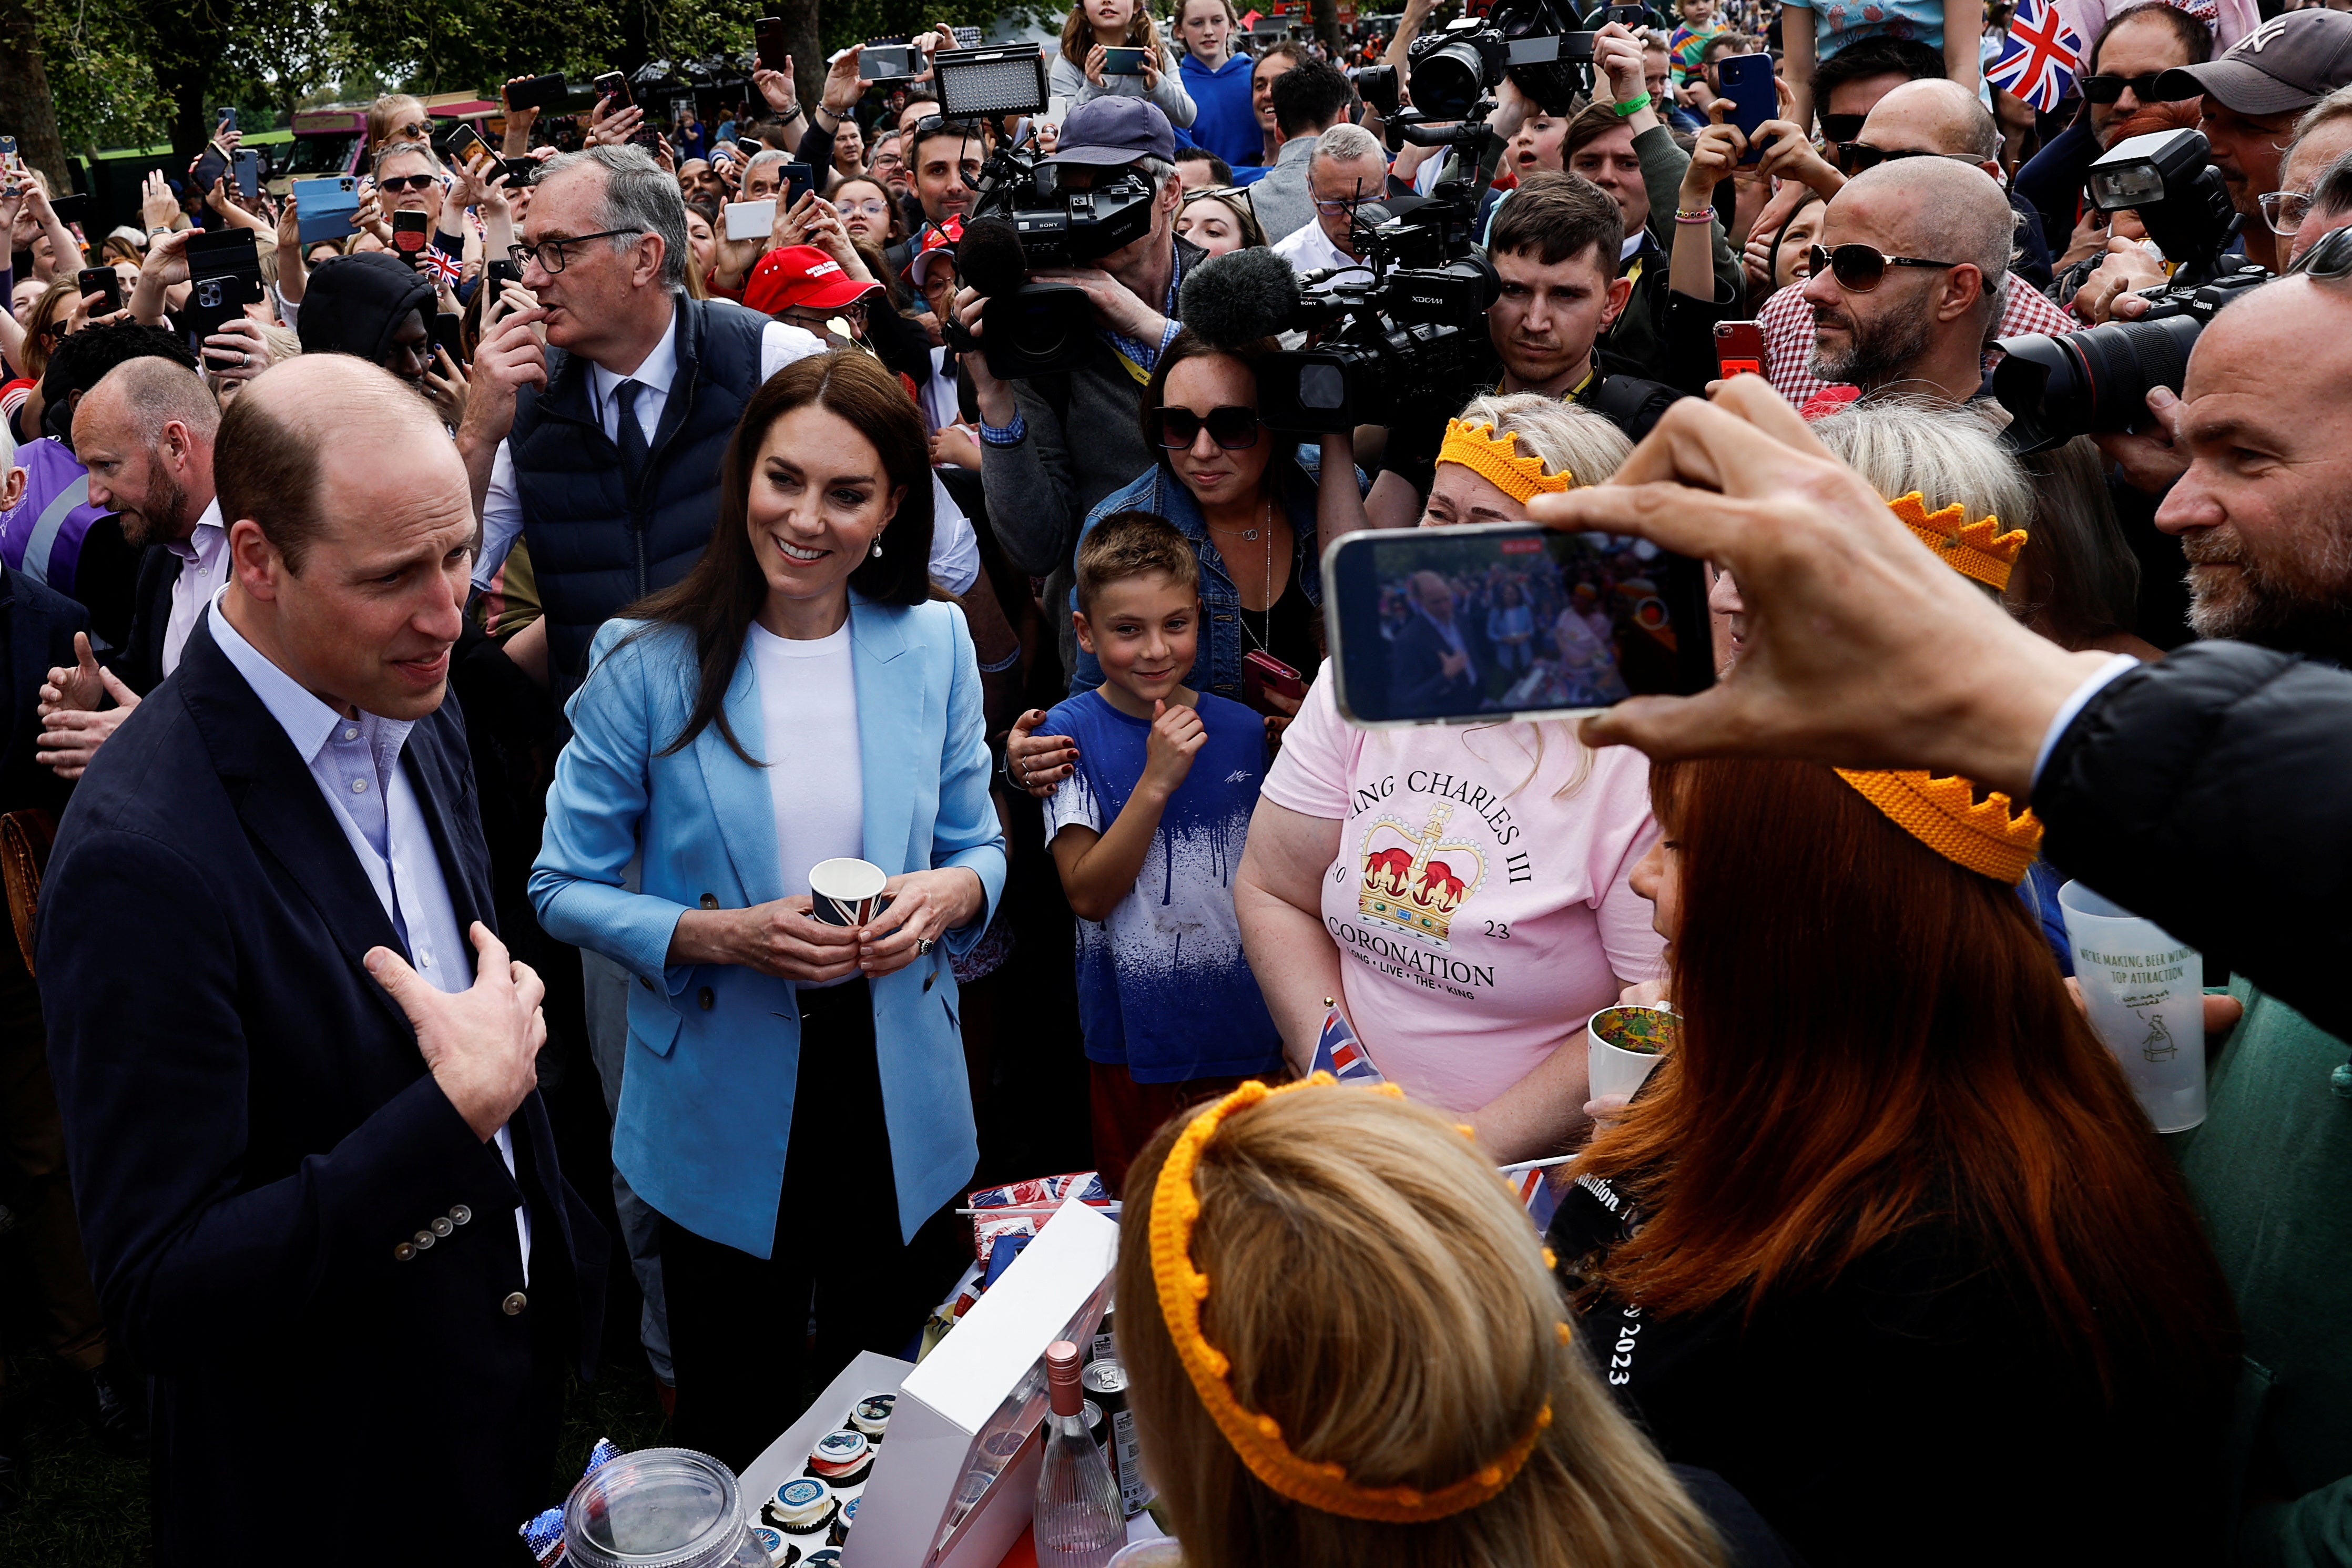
(1242, 611)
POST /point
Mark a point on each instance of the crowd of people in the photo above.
(444, 695)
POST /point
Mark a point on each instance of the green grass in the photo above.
(87, 1509)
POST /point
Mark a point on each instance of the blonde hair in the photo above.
(1947, 453)
(1568, 439)
(389, 113)
(1379, 1293)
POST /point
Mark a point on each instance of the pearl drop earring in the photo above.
(877, 547)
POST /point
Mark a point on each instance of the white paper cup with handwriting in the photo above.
(1624, 1043)
(2145, 992)
(846, 891)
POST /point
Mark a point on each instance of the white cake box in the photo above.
(969, 1411)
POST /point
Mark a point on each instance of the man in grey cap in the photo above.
(1053, 445)
(2252, 97)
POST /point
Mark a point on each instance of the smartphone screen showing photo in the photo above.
(1503, 620)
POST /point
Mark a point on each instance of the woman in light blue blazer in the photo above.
(795, 1104)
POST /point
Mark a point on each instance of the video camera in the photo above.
(2056, 388)
(1453, 72)
(1400, 334)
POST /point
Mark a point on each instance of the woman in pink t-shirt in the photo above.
(1518, 839)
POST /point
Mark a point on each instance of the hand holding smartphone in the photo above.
(1740, 348)
(1755, 96)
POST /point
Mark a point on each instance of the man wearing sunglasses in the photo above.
(2136, 47)
(1916, 125)
(410, 179)
(1907, 279)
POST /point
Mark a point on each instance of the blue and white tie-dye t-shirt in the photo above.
(1163, 986)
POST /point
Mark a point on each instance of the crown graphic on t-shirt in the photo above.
(1415, 881)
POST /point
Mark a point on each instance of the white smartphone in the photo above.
(750, 220)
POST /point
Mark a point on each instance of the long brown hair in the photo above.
(721, 597)
(1875, 1039)
(1078, 34)
(1382, 1296)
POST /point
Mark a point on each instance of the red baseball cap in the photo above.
(938, 239)
(802, 275)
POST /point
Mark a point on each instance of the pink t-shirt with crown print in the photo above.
(1479, 898)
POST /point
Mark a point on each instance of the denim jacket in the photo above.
(1160, 491)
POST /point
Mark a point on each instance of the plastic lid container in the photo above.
(659, 1507)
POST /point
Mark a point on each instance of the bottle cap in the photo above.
(1062, 1378)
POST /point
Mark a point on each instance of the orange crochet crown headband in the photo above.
(1496, 459)
(1979, 550)
(1257, 1438)
(1944, 813)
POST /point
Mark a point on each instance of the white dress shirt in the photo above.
(780, 345)
(356, 765)
(1309, 249)
(203, 572)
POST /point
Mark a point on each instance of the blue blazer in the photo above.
(714, 1049)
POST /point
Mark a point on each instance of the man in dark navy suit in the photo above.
(317, 1184)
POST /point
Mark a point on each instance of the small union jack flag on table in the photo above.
(2040, 58)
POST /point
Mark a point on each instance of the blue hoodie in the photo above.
(1226, 124)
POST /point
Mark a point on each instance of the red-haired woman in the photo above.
(1905, 1262)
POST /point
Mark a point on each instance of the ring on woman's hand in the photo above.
(241, 360)
(923, 945)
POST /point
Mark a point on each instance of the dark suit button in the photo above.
(424, 1239)
(710, 901)
(705, 998)
(934, 975)
(460, 1213)
(645, 982)
(513, 1305)
(404, 1252)
(442, 1228)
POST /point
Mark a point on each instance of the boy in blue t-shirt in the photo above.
(1147, 833)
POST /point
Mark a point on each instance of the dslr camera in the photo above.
(2056, 388)
(1452, 73)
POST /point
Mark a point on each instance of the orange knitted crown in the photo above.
(1979, 550)
(1944, 814)
(1255, 1437)
(1477, 448)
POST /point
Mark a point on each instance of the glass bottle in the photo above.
(1079, 1520)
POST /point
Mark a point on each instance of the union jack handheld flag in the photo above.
(440, 264)
(1536, 1194)
(1340, 1053)
(2040, 58)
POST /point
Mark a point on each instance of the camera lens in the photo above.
(1322, 387)
(1447, 81)
(2057, 388)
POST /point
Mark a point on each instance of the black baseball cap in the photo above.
(2282, 66)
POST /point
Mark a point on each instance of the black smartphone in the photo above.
(247, 173)
(773, 52)
(212, 165)
(500, 273)
(1634, 16)
(409, 233)
(224, 278)
(447, 328)
(536, 93)
(466, 146)
(74, 208)
(798, 180)
(616, 86)
(1611, 617)
(1754, 97)
(103, 282)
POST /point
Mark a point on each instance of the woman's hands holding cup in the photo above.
(783, 939)
(924, 907)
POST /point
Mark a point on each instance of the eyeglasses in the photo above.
(2329, 261)
(1232, 195)
(551, 254)
(399, 182)
(1853, 157)
(2110, 89)
(1840, 128)
(872, 206)
(1859, 268)
(1338, 208)
(1234, 427)
(2284, 211)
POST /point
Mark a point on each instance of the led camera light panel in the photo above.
(984, 83)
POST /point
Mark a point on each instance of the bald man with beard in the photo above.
(1917, 325)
